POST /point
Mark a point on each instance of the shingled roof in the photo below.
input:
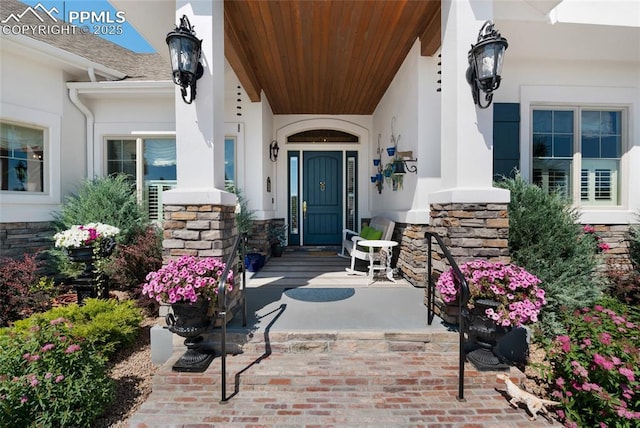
(136, 66)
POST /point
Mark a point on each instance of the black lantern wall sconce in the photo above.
(485, 63)
(273, 151)
(185, 50)
(402, 164)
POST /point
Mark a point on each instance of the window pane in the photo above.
(293, 194)
(610, 147)
(590, 147)
(159, 159)
(229, 160)
(601, 136)
(553, 175)
(591, 122)
(350, 213)
(21, 158)
(600, 182)
(563, 146)
(121, 157)
(542, 121)
(610, 123)
(542, 145)
(129, 168)
(601, 149)
(563, 121)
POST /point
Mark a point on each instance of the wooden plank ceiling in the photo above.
(325, 56)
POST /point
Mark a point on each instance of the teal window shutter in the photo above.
(506, 139)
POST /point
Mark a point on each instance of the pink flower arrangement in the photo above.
(514, 289)
(187, 279)
(601, 246)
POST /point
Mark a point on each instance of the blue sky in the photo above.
(105, 20)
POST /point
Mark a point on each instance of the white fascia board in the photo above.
(543, 6)
(63, 57)
(617, 13)
(123, 87)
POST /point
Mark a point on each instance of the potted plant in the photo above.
(503, 297)
(89, 244)
(190, 285)
(278, 239)
(518, 299)
(87, 241)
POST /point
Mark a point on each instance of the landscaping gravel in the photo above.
(132, 372)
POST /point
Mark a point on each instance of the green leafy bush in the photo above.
(546, 239)
(49, 377)
(244, 216)
(596, 367)
(107, 325)
(110, 200)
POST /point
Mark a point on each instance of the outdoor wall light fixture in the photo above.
(402, 165)
(185, 50)
(273, 151)
(485, 63)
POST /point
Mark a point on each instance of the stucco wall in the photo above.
(41, 106)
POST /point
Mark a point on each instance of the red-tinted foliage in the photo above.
(132, 263)
(17, 301)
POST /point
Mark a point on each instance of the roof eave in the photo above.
(64, 57)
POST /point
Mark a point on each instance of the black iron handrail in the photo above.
(463, 299)
(241, 245)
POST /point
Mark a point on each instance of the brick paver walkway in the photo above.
(361, 389)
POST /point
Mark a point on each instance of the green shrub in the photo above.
(546, 239)
(596, 367)
(49, 377)
(245, 216)
(110, 200)
(107, 325)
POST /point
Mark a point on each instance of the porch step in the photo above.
(322, 341)
(370, 371)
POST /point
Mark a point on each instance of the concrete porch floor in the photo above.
(324, 348)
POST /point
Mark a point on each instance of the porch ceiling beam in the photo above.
(431, 38)
(239, 60)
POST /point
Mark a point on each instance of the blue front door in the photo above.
(322, 193)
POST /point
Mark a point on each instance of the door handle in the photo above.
(304, 209)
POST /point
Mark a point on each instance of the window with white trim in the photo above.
(150, 163)
(230, 161)
(577, 152)
(22, 158)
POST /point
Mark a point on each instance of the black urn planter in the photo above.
(483, 336)
(90, 283)
(191, 321)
